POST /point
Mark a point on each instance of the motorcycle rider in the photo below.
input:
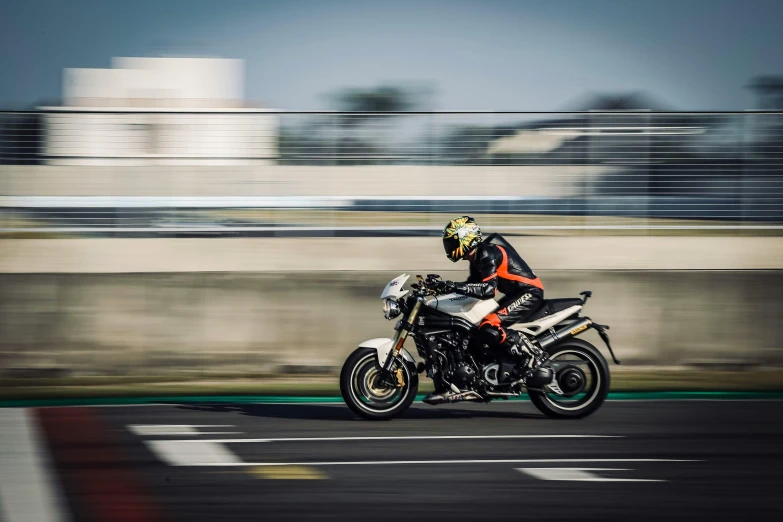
(494, 266)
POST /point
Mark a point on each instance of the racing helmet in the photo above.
(460, 237)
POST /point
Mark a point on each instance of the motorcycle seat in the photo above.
(552, 306)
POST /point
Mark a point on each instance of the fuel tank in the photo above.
(468, 308)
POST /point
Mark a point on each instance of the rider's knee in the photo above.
(491, 334)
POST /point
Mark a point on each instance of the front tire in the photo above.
(595, 372)
(362, 392)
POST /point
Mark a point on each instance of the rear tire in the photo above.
(593, 398)
(366, 398)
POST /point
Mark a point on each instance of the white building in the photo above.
(142, 111)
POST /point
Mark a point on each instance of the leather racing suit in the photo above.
(496, 266)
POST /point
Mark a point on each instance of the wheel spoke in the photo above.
(578, 378)
(371, 390)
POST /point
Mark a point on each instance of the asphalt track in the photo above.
(633, 460)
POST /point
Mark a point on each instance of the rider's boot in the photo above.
(521, 346)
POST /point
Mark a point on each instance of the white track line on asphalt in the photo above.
(578, 474)
(438, 462)
(194, 433)
(28, 488)
(179, 429)
(215, 453)
(205, 454)
(405, 437)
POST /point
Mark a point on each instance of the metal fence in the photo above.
(151, 172)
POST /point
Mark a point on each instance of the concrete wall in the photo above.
(168, 306)
(283, 180)
(393, 254)
(186, 323)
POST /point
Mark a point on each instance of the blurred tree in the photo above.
(380, 99)
(466, 145)
(362, 132)
(384, 98)
(617, 101)
(769, 90)
(360, 106)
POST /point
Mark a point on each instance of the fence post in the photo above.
(588, 184)
(646, 173)
(744, 168)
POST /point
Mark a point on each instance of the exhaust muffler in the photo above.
(565, 333)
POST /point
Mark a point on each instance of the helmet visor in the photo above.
(453, 248)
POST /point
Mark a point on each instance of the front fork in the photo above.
(399, 339)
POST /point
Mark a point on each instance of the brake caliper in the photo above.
(400, 380)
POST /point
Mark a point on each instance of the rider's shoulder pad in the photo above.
(488, 252)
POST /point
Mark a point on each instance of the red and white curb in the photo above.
(29, 490)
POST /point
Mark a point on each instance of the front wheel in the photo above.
(367, 395)
(582, 381)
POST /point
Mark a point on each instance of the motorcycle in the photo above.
(565, 377)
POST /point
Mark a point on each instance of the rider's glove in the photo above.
(445, 287)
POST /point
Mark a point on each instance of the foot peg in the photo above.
(450, 396)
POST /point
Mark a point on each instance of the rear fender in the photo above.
(382, 347)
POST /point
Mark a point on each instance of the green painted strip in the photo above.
(287, 399)
(167, 399)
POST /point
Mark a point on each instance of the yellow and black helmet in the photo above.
(460, 237)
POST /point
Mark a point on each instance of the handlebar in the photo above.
(427, 286)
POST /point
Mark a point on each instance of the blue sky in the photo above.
(476, 55)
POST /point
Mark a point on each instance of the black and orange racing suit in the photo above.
(497, 266)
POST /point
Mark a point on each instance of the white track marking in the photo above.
(195, 433)
(28, 489)
(578, 474)
(407, 437)
(179, 429)
(214, 453)
(434, 462)
(198, 454)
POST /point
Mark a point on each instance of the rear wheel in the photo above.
(364, 391)
(582, 381)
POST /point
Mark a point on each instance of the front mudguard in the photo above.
(382, 347)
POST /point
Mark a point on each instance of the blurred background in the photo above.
(203, 190)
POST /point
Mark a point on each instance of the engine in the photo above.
(449, 359)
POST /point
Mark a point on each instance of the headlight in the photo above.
(391, 309)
